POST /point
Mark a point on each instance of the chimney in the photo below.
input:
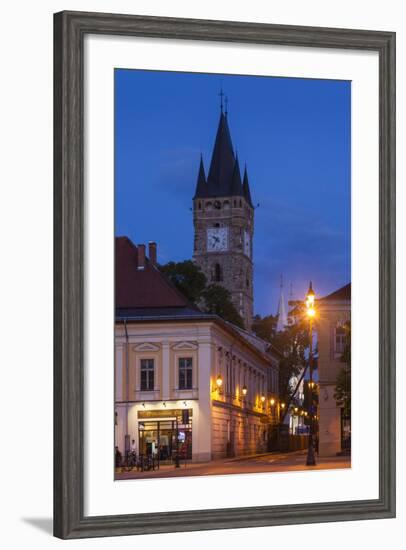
(141, 256)
(152, 252)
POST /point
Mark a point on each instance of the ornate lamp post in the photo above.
(311, 312)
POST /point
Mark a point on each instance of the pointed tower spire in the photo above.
(282, 318)
(201, 185)
(246, 188)
(222, 161)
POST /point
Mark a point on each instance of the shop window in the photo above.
(147, 374)
(185, 373)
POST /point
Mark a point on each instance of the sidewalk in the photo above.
(275, 457)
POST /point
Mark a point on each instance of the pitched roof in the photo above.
(147, 295)
(342, 294)
(142, 288)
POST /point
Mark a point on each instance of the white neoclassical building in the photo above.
(185, 382)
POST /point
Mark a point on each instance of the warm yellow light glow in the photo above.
(262, 398)
(244, 390)
(283, 405)
(295, 409)
(306, 413)
(219, 381)
(311, 312)
(310, 300)
(272, 402)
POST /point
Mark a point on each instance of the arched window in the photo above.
(217, 273)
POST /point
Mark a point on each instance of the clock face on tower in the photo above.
(247, 244)
(217, 239)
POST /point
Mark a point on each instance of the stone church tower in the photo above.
(223, 217)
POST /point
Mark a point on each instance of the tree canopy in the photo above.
(192, 283)
(292, 343)
(188, 278)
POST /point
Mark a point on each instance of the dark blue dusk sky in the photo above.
(294, 135)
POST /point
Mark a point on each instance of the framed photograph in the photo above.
(224, 275)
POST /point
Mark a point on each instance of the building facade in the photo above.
(185, 382)
(334, 311)
(223, 218)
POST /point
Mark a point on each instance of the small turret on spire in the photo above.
(201, 185)
(282, 317)
(246, 188)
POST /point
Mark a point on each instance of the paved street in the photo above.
(269, 462)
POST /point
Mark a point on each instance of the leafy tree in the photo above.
(217, 299)
(342, 393)
(265, 327)
(188, 278)
(192, 283)
(292, 344)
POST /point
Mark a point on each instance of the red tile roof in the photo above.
(141, 288)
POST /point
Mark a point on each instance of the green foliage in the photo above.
(292, 343)
(192, 283)
(187, 277)
(217, 300)
(342, 393)
(265, 327)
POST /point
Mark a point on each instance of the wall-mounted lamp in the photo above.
(272, 402)
(263, 398)
(219, 381)
(244, 390)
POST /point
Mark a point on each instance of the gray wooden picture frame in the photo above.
(69, 31)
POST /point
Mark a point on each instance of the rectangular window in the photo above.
(340, 340)
(147, 374)
(185, 373)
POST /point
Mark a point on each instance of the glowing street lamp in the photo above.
(311, 313)
(244, 390)
(219, 381)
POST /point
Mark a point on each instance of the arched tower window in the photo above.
(217, 273)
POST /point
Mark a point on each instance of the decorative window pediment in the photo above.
(182, 346)
(147, 346)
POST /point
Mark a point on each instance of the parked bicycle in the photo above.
(130, 462)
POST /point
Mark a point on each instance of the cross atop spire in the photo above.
(221, 94)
